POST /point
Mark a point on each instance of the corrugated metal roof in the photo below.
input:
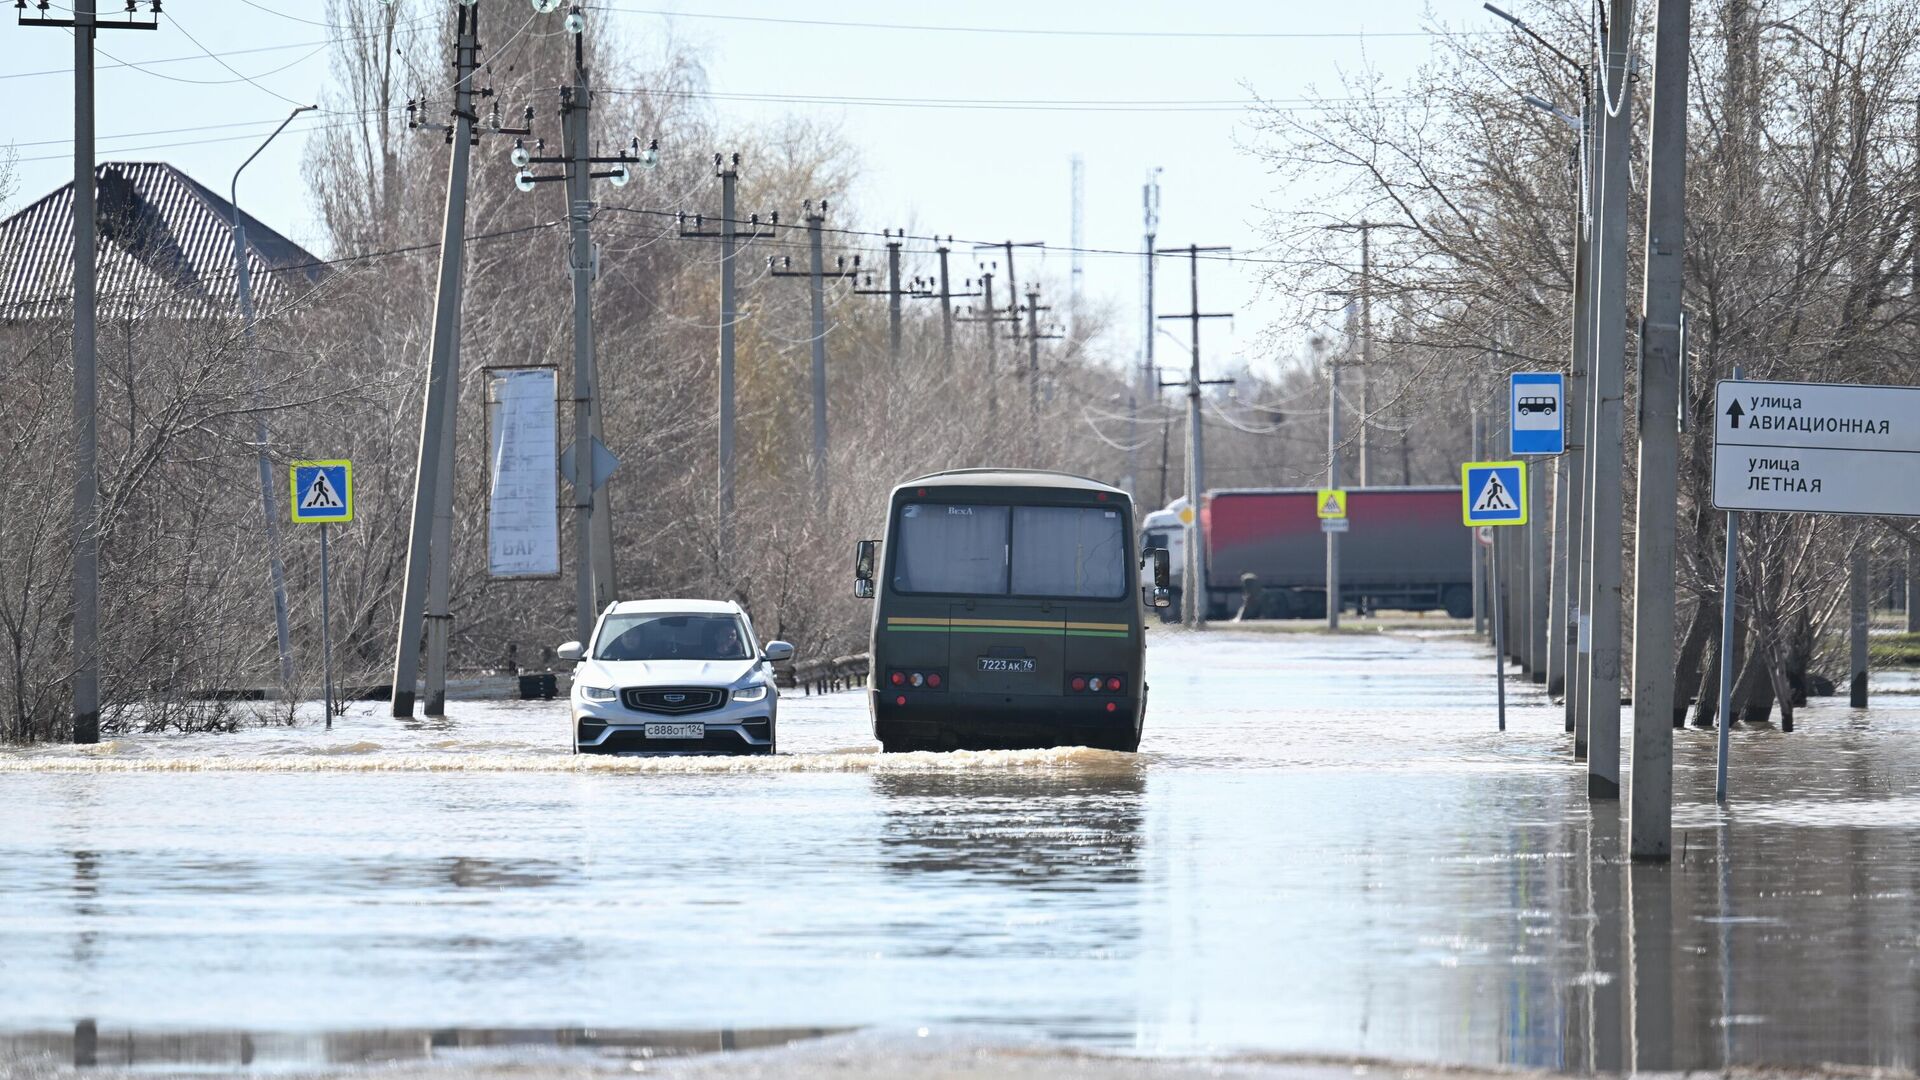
(165, 250)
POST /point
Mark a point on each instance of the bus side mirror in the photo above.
(1161, 597)
(864, 559)
(1162, 570)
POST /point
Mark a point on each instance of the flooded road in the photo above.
(1324, 847)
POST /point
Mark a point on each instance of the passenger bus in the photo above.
(1008, 614)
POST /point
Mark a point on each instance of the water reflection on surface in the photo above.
(1323, 848)
(88, 1045)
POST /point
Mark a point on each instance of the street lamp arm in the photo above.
(1577, 68)
(234, 189)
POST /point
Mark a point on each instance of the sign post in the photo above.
(1495, 493)
(322, 495)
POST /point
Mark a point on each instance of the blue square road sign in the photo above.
(1537, 412)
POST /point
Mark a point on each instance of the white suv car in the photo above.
(674, 677)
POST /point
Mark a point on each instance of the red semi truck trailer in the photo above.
(1404, 548)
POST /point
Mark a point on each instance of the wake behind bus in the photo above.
(1008, 614)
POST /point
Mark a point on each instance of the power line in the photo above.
(837, 24)
(1195, 105)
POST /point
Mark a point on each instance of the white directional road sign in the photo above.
(1816, 448)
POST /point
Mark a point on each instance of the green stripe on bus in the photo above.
(1007, 630)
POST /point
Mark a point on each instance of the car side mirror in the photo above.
(571, 651)
(1162, 570)
(777, 652)
(865, 558)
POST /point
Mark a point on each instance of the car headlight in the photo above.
(598, 693)
(756, 692)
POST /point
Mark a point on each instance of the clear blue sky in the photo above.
(997, 173)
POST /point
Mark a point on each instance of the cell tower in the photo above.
(1079, 236)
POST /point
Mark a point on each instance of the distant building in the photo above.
(165, 250)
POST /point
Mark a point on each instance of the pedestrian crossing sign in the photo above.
(322, 491)
(1493, 492)
(1331, 503)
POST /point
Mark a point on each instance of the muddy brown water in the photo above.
(1324, 847)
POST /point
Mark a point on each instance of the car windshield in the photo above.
(980, 550)
(664, 636)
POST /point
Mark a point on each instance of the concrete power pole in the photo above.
(1195, 573)
(816, 274)
(893, 291)
(727, 169)
(1658, 494)
(442, 354)
(86, 480)
(1034, 338)
(1334, 440)
(941, 290)
(1608, 422)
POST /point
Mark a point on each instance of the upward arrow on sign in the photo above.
(1734, 413)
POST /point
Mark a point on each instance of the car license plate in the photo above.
(676, 731)
(1000, 663)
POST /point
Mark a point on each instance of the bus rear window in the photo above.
(951, 549)
(976, 550)
(1068, 551)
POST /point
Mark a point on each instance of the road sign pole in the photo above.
(1728, 581)
(1499, 641)
(326, 632)
(1726, 652)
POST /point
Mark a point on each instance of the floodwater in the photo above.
(1324, 847)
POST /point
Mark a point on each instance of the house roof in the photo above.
(164, 248)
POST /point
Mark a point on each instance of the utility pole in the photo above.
(1196, 568)
(243, 284)
(991, 317)
(86, 480)
(893, 292)
(425, 588)
(594, 585)
(942, 291)
(1334, 440)
(1571, 474)
(1034, 337)
(1007, 246)
(1658, 493)
(945, 294)
(727, 169)
(815, 275)
(1609, 391)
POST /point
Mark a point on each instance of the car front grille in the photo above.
(674, 700)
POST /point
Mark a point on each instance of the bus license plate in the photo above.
(676, 731)
(997, 663)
